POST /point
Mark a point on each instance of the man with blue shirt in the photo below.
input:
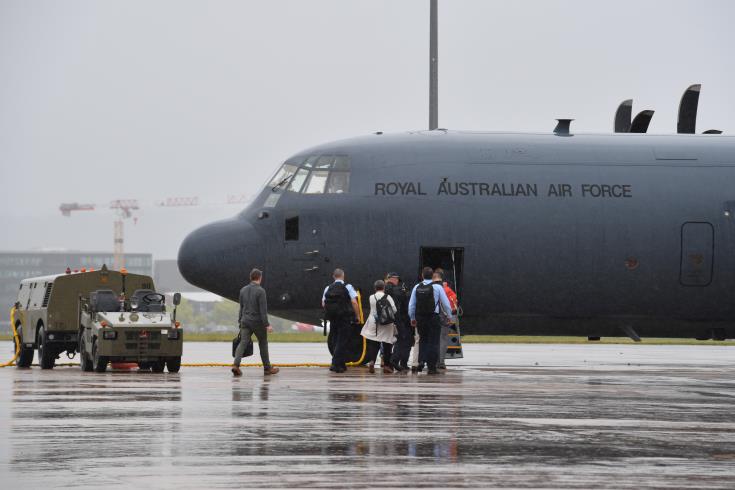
(427, 301)
(340, 309)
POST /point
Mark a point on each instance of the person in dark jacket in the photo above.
(341, 298)
(396, 289)
(424, 310)
(254, 320)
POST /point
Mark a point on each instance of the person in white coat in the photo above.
(379, 336)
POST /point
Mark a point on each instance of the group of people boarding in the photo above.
(408, 330)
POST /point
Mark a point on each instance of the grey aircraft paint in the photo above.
(579, 234)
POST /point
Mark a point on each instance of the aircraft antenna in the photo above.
(433, 69)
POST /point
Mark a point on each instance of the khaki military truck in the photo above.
(95, 314)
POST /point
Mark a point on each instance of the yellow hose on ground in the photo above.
(216, 364)
(255, 364)
(15, 338)
(194, 364)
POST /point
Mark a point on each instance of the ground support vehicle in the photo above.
(91, 312)
(141, 332)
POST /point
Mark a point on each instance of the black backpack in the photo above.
(385, 315)
(337, 302)
(425, 304)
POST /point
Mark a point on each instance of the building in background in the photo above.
(16, 266)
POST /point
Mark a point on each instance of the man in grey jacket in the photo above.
(253, 320)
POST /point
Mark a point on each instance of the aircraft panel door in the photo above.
(697, 251)
(305, 244)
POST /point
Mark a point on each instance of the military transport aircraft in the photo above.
(552, 233)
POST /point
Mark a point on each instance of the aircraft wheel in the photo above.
(157, 366)
(46, 358)
(173, 364)
(25, 357)
(99, 363)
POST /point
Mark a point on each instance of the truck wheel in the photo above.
(84, 361)
(99, 363)
(25, 358)
(157, 366)
(173, 364)
(46, 358)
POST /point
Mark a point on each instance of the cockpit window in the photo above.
(325, 161)
(315, 174)
(317, 182)
(283, 176)
(339, 182)
(298, 181)
(341, 162)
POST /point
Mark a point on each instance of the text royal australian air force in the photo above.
(504, 189)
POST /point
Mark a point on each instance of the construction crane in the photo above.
(125, 209)
(67, 208)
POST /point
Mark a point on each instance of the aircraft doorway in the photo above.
(451, 259)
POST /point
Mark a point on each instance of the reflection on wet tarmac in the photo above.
(601, 424)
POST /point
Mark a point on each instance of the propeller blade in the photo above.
(688, 110)
(623, 116)
(641, 121)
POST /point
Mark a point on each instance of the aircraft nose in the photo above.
(218, 257)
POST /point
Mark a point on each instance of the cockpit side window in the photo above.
(339, 182)
(315, 174)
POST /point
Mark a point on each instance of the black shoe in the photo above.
(442, 366)
(414, 369)
(420, 368)
(433, 371)
(333, 369)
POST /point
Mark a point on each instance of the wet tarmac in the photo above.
(520, 416)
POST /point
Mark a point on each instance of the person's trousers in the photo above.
(429, 328)
(443, 339)
(373, 347)
(402, 347)
(246, 333)
(340, 328)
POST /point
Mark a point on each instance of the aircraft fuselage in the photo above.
(576, 235)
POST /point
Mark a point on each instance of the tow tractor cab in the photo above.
(106, 316)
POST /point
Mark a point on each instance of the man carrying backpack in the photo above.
(340, 309)
(427, 301)
(396, 289)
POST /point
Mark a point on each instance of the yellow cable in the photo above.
(15, 338)
(197, 364)
(256, 364)
(218, 364)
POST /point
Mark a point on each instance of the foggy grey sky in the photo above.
(151, 99)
